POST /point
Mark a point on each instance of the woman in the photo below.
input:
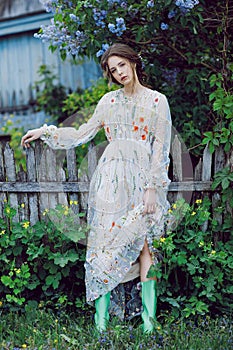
(127, 198)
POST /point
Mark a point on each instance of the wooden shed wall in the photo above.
(20, 57)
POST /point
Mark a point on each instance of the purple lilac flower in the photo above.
(99, 17)
(186, 5)
(101, 51)
(74, 17)
(105, 47)
(49, 5)
(171, 14)
(171, 75)
(164, 26)
(112, 27)
(124, 5)
(150, 4)
(61, 38)
(112, 2)
(117, 28)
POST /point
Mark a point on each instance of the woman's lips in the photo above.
(123, 78)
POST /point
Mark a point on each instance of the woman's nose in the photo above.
(119, 71)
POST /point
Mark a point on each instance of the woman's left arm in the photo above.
(158, 175)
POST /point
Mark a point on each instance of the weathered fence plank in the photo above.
(32, 177)
(2, 178)
(219, 163)
(11, 176)
(58, 187)
(72, 177)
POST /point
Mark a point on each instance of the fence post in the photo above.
(176, 152)
(72, 176)
(11, 176)
(2, 178)
(219, 163)
(32, 177)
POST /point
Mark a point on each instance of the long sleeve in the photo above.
(69, 137)
(161, 135)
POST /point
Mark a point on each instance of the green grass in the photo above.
(41, 329)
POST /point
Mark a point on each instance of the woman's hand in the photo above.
(149, 200)
(30, 136)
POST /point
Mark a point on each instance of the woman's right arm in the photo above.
(67, 137)
(30, 136)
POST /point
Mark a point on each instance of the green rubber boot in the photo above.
(101, 314)
(149, 303)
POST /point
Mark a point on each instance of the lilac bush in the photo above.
(190, 36)
(82, 27)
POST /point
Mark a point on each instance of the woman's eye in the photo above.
(113, 71)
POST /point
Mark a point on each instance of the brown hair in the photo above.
(124, 51)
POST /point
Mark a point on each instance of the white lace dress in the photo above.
(137, 157)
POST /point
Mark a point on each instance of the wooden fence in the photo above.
(47, 182)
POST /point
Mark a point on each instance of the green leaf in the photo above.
(64, 259)
(173, 302)
(225, 183)
(7, 281)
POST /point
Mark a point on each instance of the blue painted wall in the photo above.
(20, 57)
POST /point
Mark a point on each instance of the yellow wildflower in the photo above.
(3, 232)
(66, 212)
(45, 212)
(162, 239)
(5, 200)
(213, 252)
(22, 205)
(71, 202)
(201, 243)
(8, 210)
(174, 206)
(1, 303)
(193, 213)
(26, 224)
(18, 271)
(158, 328)
(24, 346)
(198, 201)
(75, 202)
(169, 211)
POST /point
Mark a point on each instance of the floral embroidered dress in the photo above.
(136, 158)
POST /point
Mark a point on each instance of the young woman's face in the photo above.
(121, 70)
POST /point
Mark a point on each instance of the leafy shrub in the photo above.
(50, 95)
(42, 262)
(196, 273)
